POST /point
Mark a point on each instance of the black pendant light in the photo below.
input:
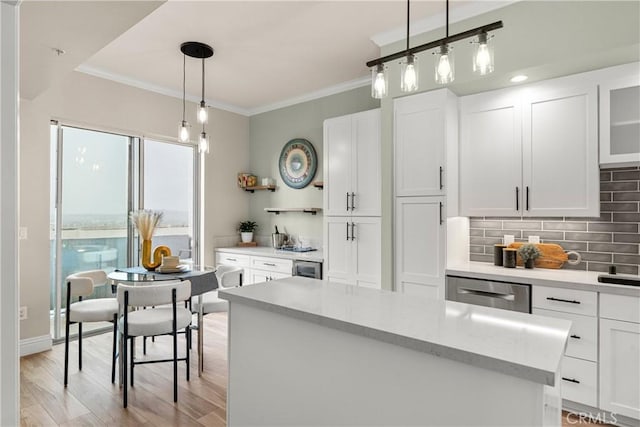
(200, 51)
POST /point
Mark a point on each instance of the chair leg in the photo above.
(124, 356)
(187, 333)
(66, 348)
(113, 350)
(80, 346)
(175, 366)
(132, 344)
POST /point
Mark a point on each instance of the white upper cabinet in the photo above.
(490, 154)
(352, 164)
(620, 121)
(560, 172)
(530, 151)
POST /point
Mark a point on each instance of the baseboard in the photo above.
(35, 345)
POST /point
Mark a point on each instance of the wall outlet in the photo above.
(22, 233)
(24, 315)
(534, 239)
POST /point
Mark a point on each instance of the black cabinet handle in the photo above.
(269, 264)
(441, 220)
(347, 231)
(441, 184)
(527, 207)
(575, 337)
(353, 233)
(353, 201)
(231, 259)
(347, 200)
(517, 199)
(563, 300)
(571, 380)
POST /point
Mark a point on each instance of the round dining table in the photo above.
(203, 279)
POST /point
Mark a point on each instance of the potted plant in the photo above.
(528, 253)
(246, 230)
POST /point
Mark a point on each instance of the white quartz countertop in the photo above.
(561, 278)
(512, 343)
(274, 253)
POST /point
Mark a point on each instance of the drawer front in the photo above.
(272, 264)
(227, 258)
(583, 335)
(262, 276)
(566, 300)
(579, 381)
(620, 307)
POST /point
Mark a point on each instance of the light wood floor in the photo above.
(91, 400)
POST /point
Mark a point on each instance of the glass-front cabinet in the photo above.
(620, 122)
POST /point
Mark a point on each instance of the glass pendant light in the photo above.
(379, 81)
(409, 74)
(183, 133)
(483, 55)
(202, 108)
(203, 142)
(444, 69)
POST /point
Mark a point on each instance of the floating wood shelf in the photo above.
(277, 211)
(271, 188)
(318, 184)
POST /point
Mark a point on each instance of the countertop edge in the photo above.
(502, 366)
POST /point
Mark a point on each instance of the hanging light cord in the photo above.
(408, 24)
(184, 87)
(447, 15)
(202, 79)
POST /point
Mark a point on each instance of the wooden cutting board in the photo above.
(551, 255)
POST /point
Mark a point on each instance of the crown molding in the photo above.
(437, 21)
(140, 84)
(331, 90)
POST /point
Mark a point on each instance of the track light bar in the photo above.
(450, 39)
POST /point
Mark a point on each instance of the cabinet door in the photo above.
(337, 248)
(337, 165)
(560, 152)
(490, 154)
(420, 245)
(367, 251)
(620, 122)
(366, 178)
(620, 367)
(419, 142)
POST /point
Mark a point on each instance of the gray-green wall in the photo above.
(268, 133)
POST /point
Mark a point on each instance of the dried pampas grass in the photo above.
(146, 222)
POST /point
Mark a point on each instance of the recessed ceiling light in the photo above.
(519, 78)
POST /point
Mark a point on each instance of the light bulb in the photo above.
(203, 143)
(483, 56)
(203, 115)
(378, 82)
(409, 75)
(444, 65)
(184, 131)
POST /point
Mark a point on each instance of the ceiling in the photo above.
(275, 53)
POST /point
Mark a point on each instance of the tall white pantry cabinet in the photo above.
(352, 194)
(425, 169)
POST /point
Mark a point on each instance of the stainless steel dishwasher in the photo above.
(489, 293)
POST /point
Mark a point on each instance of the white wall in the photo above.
(103, 104)
(9, 137)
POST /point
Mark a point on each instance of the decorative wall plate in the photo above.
(298, 163)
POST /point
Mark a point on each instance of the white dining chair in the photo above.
(228, 277)
(80, 285)
(157, 318)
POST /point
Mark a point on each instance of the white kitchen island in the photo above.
(311, 352)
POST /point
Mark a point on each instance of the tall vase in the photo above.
(158, 253)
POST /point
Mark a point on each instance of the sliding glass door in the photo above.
(97, 179)
(91, 202)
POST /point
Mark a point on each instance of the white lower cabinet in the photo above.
(620, 355)
(579, 377)
(256, 269)
(353, 250)
(420, 246)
